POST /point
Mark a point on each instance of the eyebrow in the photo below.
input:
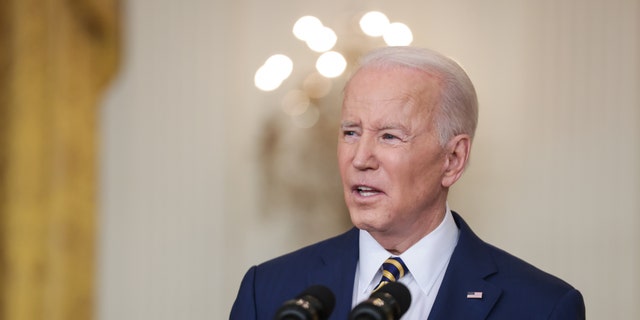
(349, 124)
(394, 126)
(386, 126)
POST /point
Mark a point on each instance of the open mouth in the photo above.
(366, 191)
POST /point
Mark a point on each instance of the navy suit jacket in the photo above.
(511, 288)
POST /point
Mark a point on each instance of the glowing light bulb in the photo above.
(265, 81)
(398, 34)
(322, 40)
(374, 23)
(331, 64)
(273, 72)
(306, 26)
(280, 65)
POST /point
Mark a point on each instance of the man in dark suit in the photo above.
(408, 120)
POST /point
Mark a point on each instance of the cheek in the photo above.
(344, 155)
(403, 166)
(420, 174)
(342, 161)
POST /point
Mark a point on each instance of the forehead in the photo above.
(392, 89)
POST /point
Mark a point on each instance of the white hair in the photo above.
(458, 107)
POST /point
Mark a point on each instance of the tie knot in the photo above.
(394, 267)
(392, 270)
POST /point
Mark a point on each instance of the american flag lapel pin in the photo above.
(474, 295)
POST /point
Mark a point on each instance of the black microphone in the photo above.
(391, 301)
(314, 303)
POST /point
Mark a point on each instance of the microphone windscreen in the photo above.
(399, 292)
(324, 296)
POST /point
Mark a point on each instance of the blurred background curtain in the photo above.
(56, 56)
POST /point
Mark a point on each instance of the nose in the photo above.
(365, 154)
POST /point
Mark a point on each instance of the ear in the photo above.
(456, 158)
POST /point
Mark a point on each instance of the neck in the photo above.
(399, 242)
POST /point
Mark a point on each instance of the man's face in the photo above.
(389, 155)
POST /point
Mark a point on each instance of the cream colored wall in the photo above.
(554, 179)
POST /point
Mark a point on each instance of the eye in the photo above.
(350, 133)
(388, 136)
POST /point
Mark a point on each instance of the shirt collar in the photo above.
(425, 260)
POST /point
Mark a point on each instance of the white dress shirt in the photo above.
(427, 261)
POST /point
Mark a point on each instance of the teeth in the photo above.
(366, 191)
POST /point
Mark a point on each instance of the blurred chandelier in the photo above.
(322, 39)
(329, 65)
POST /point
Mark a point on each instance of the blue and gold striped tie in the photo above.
(392, 270)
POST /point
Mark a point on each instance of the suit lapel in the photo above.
(337, 271)
(468, 270)
(470, 265)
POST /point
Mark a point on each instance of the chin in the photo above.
(366, 220)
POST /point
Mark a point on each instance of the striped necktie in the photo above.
(392, 270)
